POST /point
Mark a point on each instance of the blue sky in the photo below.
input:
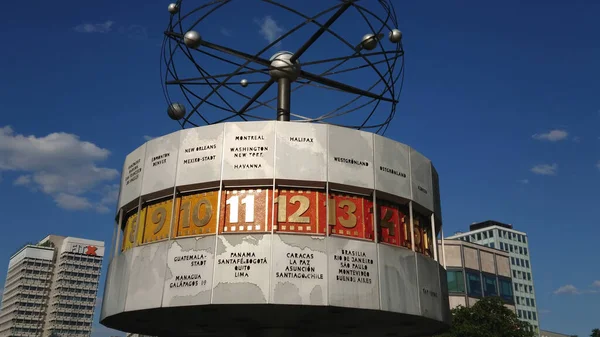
(503, 97)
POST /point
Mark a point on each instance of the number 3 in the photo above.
(350, 222)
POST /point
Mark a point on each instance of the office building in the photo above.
(51, 288)
(476, 271)
(502, 236)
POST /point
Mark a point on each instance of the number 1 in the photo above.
(234, 209)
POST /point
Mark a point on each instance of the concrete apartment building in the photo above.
(476, 271)
(502, 236)
(51, 288)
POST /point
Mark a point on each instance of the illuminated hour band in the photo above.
(285, 211)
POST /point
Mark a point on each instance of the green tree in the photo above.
(595, 333)
(487, 318)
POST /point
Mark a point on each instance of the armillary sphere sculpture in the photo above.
(350, 78)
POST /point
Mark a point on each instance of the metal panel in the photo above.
(161, 163)
(301, 151)
(351, 157)
(299, 270)
(249, 150)
(429, 287)
(242, 268)
(420, 168)
(446, 313)
(200, 155)
(189, 275)
(399, 287)
(131, 178)
(115, 290)
(437, 202)
(392, 167)
(353, 273)
(146, 281)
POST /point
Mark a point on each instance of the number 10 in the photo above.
(233, 203)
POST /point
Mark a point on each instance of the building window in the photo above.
(474, 284)
(512, 260)
(524, 251)
(485, 235)
(519, 313)
(516, 287)
(527, 263)
(456, 282)
(518, 264)
(527, 301)
(478, 236)
(528, 276)
(514, 274)
(492, 245)
(501, 245)
(532, 302)
(531, 289)
(534, 316)
(529, 314)
(525, 240)
(490, 286)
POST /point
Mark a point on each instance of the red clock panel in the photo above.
(246, 211)
(299, 211)
(350, 215)
(392, 220)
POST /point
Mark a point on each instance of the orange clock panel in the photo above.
(350, 215)
(197, 214)
(246, 211)
(158, 221)
(132, 234)
(299, 211)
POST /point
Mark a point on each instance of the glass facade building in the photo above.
(503, 237)
(51, 288)
(475, 272)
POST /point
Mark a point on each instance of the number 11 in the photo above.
(233, 203)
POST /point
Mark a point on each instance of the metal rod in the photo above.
(284, 88)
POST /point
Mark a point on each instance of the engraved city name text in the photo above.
(301, 139)
(300, 266)
(351, 161)
(353, 266)
(392, 171)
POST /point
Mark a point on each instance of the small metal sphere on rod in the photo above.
(369, 41)
(395, 36)
(244, 82)
(284, 73)
(173, 8)
(192, 39)
(176, 111)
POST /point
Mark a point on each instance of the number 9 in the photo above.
(158, 218)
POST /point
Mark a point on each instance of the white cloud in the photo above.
(567, 289)
(552, 135)
(104, 27)
(598, 165)
(225, 32)
(524, 181)
(22, 180)
(596, 284)
(60, 165)
(269, 29)
(545, 169)
(147, 138)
